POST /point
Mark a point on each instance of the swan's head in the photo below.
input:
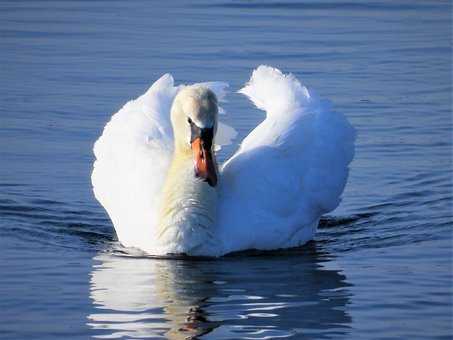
(194, 119)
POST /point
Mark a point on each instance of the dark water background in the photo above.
(381, 265)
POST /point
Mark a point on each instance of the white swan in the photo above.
(165, 194)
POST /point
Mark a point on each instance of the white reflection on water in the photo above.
(238, 297)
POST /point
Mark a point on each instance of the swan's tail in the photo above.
(274, 92)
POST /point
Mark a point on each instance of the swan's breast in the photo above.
(187, 212)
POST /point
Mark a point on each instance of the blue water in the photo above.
(381, 264)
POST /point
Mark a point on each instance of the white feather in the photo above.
(132, 158)
(289, 170)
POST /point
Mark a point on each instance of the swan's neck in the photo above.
(188, 207)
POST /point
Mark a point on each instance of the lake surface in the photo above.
(381, 264)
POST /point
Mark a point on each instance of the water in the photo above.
(381, 264)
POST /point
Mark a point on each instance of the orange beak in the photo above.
(204, 162)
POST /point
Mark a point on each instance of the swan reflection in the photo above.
(244, 296)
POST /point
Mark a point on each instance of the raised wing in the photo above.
(132, 158)
(289, 170)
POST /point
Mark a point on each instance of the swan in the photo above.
(156, 173)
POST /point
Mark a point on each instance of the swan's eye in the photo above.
(189, 121)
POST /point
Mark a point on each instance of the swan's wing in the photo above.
(132, 158)
(289, 170)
